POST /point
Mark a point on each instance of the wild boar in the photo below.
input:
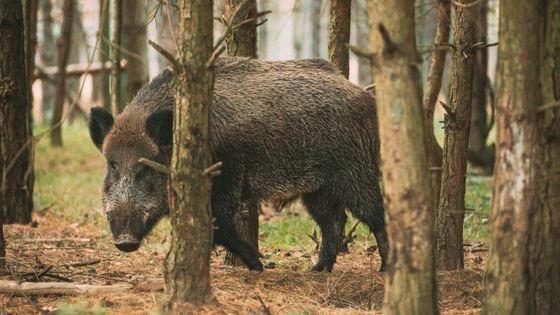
(283, 130)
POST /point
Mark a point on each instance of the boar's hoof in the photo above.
(256, 266)
(127, 243)
(318, 267)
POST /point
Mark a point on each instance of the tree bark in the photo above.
(187, 264)
(105, 52)
(451, 205)
(135, 26)
(63, 47)
(16, 182)
(516, 213)
(480, 154)
(339, 35)
(546, 231)
(116, 43)
(431, 92)
(410, 285)
(243, 43)
(47, 56)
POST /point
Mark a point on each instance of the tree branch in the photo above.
(166, 54)
(155, 165)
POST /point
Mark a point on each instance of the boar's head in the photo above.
(134, 195)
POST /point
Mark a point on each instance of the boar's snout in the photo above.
(127, 243)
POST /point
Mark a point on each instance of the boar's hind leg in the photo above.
(227, 236)
(328, 214)
(371, 213)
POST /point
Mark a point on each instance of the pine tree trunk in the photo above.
(63, 47)
(339, 35)
(187, 265)
(480, 154)
(105, 52)
(16, 183)
(516, 214)
(47, 56)
(451, 205)
(116, 43)
(546, 230)
(135, 26)
(410, 284)
(432, 89)
(243, 43)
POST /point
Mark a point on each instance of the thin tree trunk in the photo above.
(47, 55)
(410, 285)
(30, 8)
(298, 22)
(116, 43)
(16, 183)
(63, 47)
(243, 43)
(451, 205)
(262, 31)
(78, 40)
(339, 35)
(167, 21)
(135, 27)
(546, 228)
(480, 154)
(516, 213)
(315, 20)
(362, 36)
(431, 91)
(105, 52)
(187, 264)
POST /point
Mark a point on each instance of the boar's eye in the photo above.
(141, 171)
(112, 165)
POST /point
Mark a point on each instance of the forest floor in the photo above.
(68, 228)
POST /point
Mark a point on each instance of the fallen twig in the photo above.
(64, 288)
(82, 263)
(266, 310)
(55, 240)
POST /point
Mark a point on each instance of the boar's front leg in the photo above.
(226, 194)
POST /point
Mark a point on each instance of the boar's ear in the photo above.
(100, 122)
(160, 127)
